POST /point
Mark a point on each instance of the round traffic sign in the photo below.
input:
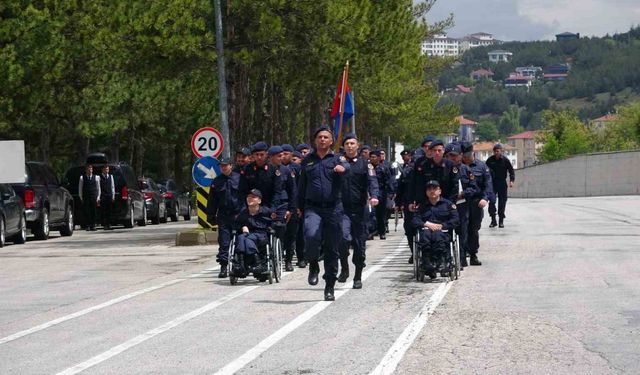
(207, 142)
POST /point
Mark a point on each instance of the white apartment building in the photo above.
(477, 40)
(441, 45)
(497, 56)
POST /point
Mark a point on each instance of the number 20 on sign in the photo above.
(207, 142)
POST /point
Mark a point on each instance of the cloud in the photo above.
(537, 19)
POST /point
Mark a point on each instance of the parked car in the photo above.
(177, 200)
(156, 207)
(128, 207)
(48, 205)
(13, 220)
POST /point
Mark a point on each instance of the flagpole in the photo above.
(345, 76)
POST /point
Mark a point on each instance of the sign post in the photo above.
(207, 144)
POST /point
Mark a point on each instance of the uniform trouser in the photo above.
(289, 241)
(381, 217)
(434, 248)
(105, 210)
(225, 226)
(322, 230)
(89, 210)
(463, 229)
(409, 230)
(249, 243)
(501, 197)
(354, 233)
(300, 238)
(475, 223)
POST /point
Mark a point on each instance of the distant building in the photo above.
(517, 80)
(556, 72)
(462, 89)
(497, 56)
(527, 146)
(567, 36)
(529, 71)
(441, 45)
(601, 123)
(477, 40)
(485, 149)
(467, 129)
(479, 74)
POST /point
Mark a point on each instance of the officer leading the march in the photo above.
(359, 187)
(222, 207)
(320, 203)
(107, 197)
(482, 177)
(499, 166)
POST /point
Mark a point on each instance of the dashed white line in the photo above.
(267, 343)
(88, 310)
(392, 358)
(154, 332)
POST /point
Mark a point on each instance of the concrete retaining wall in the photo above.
(612, 173)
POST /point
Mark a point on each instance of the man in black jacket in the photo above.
(499, 166)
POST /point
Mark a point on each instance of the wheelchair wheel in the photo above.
(456, 257)
(417, 259)
(277, 259)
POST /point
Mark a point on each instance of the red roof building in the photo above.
(527, 145)
(480, 74)
(601, 122)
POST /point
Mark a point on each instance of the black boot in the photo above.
(288, 266)
(501, 223)
(314, 271)
(328, 291)
(302, 263)
(493, 222)
(474, 261)
(259, 266)
(344, 270)
(357, 279)
(223, 271)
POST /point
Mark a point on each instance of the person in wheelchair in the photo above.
(253, 225)
(435, 220)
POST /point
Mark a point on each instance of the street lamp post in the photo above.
(222, 80)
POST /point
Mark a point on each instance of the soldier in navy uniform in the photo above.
(467, 192)
(499, 166)
(242, 159)
(284, 200)
(434, 216)
(107, 197)
(320, 201)
(359, 187)
(296, 162)
(290, 236)
(222, 207)
(303, 149)
(89, 192)
(252, 223)
(433, 167)
(482, 177)
(259, 174)
(386, 187)
(402, 197)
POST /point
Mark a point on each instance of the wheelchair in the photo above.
(274, 259)
(454, 254)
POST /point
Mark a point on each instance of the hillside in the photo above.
(599, 78)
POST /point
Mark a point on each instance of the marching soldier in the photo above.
(386, 188)
(359, 187)
(433, 168)
(402, 197)
(222, 207)
(499, 166)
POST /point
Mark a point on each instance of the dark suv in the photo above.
(13, 222)
(48, 205)
(128, 207)
(177, 200)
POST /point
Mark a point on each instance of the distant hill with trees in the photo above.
(602, 76)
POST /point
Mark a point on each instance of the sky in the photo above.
(525, 20)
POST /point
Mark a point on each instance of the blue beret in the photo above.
(466, 147)
(224, 161)
(244, 151)
(418, 153)
(435, 143)
(497, 146)
(323, 128)
(259, 146)
(375, 152)
(404, 152)
(427, 139)
(452, 148)
(302, 146)
(274, 150)
(287, 147)
(349, 136)
(256, 192)
(365, 147)
(297, 154)
(434, 183)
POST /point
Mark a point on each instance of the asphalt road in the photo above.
(557, 293)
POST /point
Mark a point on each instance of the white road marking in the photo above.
(267, 343)
(391, 360)
(101, 306)
(154, 332)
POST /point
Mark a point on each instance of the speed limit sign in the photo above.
(207, 142)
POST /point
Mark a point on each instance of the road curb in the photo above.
(195, 237)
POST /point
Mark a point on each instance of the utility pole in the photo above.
(222, 80)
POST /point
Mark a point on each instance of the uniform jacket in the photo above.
(425, 170)
(402, 193)
(319, 184)
(359, 183)
(470, 189)
(386, 180)
(443, 212)
(499, 169)
(259, 223)
(224, 196)
(261, 178)
(482, 177)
